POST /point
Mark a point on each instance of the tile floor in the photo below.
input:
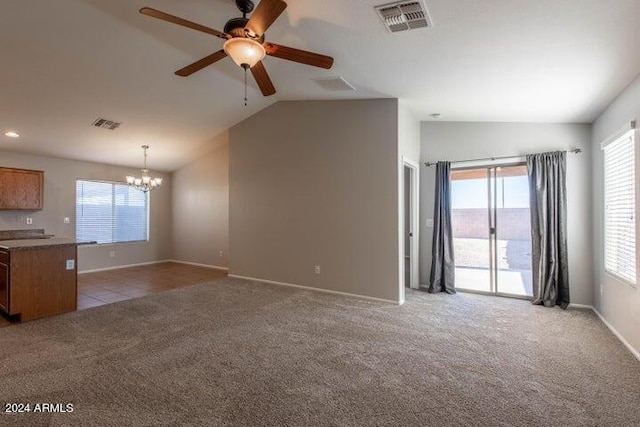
(105, 287)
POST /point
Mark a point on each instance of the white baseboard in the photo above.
(581, 306)
(310, 288)
(118, 267)
(215, 267)
(633, 351)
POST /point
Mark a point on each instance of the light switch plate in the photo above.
(71, 264)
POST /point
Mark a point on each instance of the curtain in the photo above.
(442, 278)
(548, 203)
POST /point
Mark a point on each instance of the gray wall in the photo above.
(618, 303)
(200, 207)
(456, 141)
(59, 202)
(316, 183)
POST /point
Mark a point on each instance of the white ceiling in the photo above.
(67, 62)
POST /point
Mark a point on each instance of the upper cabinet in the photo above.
(21, 189)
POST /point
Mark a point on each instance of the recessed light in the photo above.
(436, 115)
(12, 134)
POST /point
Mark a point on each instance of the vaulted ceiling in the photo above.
(67, 62)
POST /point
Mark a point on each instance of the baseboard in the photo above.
(118, 267)
(617, 334)
(215, 267)
(633, 351)
(581, 306)
(310, 288)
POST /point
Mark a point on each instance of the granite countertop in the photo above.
(20, 244)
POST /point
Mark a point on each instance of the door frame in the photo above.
(492, 223)
(414, 210)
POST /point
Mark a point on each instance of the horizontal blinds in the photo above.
(109, 212)
(620, 208)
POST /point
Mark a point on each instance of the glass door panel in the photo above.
(513, 231)
(470, 223)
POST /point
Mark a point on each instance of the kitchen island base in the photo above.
(38, 282)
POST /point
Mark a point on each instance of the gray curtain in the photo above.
(548, 194)
(442, 278)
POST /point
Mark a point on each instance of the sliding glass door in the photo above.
(492, 229)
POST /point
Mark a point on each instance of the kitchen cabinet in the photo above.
(38, 282)
(21, 189)
(4, 281)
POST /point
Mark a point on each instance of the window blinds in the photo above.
(620, 208)
(109, 212)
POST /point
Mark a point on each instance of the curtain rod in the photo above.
(429, 164)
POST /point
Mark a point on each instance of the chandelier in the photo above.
(145, 182)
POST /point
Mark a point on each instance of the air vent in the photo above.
(106, 124)
(404, 16)
(334, 84)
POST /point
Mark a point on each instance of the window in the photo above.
(111, 212)
(620, 208)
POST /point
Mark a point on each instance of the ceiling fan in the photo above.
(244, 42)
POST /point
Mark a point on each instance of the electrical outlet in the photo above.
(221, 253)
(29, 220)
(112, 254)
(71, 264)
(66, 220)
(429, 222)
(601, 289)
(317, 269)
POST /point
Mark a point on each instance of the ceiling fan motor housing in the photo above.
(235, 27)
(245, 6)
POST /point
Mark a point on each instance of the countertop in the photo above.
(20, 244)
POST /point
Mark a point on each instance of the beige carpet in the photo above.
(233, 352)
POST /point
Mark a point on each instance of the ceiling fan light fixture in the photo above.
(244, 52)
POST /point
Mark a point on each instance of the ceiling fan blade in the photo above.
(265, 14)
(183, 22)
(297, 55)
(262, 78)
(199, 65)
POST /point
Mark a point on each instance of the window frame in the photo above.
(114, 183)
(627, 133)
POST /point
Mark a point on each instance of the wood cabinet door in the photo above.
(21, 189)
(4, 287)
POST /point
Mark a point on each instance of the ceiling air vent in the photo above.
(106, 124)
(334, 84)
(404, 16)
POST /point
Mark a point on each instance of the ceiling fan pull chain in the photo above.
(245, 86)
